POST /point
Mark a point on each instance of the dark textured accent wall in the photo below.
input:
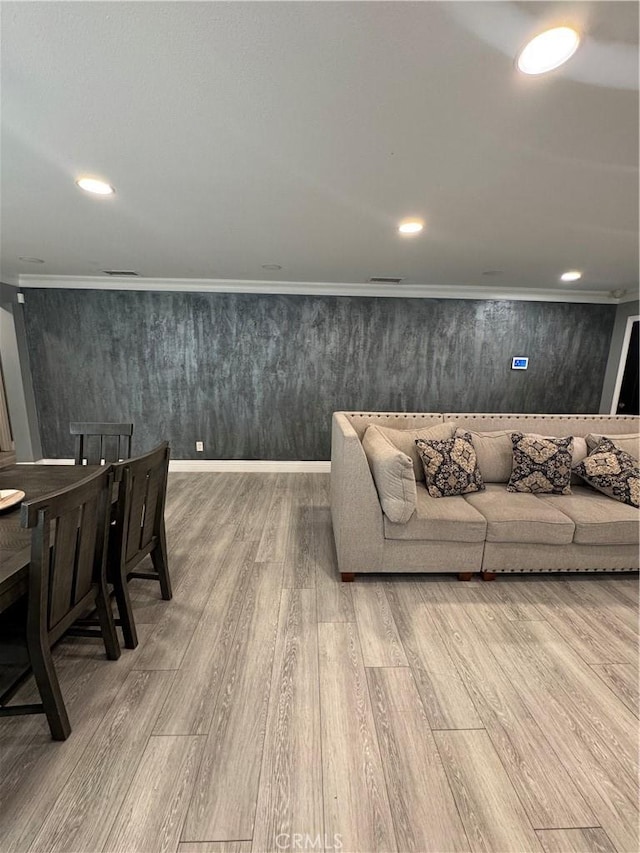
(258, 376)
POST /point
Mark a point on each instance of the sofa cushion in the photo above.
(612, 471)
(521, 517)
(540, 464)
(392, 472)
(495, 454)
(453, 520)
(598, 520)
(450, 466)
(629, 442)
(405, 440)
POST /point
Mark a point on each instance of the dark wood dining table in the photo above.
(15, 542)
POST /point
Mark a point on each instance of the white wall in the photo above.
(17, 379)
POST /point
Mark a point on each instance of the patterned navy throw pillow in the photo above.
(450, 465)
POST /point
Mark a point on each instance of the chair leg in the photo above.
(161, 564)
(107, 625)
(125, 612)
(47, 682)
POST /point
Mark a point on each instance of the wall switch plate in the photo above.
(199, 446)
(21, 298)
(519, 362)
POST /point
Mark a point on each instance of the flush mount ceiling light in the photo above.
(410, 226)
(31, 260)
(93, 185)
(548, 50)
(571, 275)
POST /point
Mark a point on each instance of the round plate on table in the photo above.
(9, 498)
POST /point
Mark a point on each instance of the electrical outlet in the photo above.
(199, 446)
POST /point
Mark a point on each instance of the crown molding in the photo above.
(411, 291)
(630, 296)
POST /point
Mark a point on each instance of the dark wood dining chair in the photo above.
(139, 531)
(67, 577)
(97, 442)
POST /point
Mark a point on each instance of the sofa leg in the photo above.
(488, 576)
(465, 576)
(348, 577)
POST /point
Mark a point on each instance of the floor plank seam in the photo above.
(324, 817)
(266, 722)
(155, 669)
(459, 729)
(375, 731)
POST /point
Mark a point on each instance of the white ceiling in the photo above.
(241, 134)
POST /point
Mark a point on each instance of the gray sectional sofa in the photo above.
(491, 531)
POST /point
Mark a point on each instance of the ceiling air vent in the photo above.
(384, 279)
(121, 272)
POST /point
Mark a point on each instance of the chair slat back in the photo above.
(142, 498)
(69, 529)
(96, 442)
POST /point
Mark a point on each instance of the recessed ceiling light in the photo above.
(271, 267)
(31, 260)
(548, 50)
(411, 226)
(93, 185)
(570, 275)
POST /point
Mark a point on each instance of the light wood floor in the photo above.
(270, 707)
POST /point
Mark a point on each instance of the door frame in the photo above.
(623, 362)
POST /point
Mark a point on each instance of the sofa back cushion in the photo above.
(392, 472)
(360, 421)
(494, 453)
(405, 440)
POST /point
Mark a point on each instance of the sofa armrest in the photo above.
(355, 508)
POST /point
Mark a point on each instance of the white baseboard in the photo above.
(260, 466)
